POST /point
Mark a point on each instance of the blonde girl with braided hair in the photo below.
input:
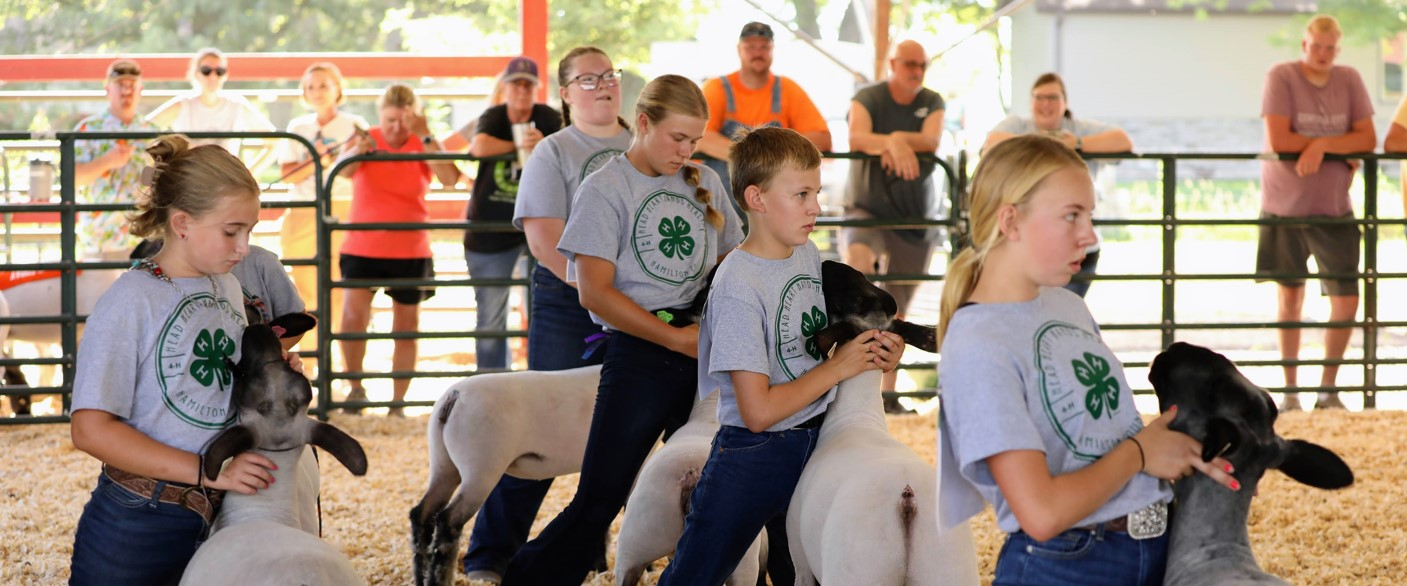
(1038, 418)
(643, 235)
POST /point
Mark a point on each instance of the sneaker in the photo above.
(489, 576)
(1329, 401)
(357, 394)
(1291, 402)
(396, 412)
(892, 407)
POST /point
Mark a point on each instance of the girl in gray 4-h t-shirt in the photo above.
(557, 168)
(652, 229)
(757, 302)
(1045, 354)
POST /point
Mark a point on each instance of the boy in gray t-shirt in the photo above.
(757, 346)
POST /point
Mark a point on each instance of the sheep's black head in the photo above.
(1234, 418)
(272, 400)
(854, 304)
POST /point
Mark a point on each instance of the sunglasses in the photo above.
(206, 70)
(592, 81)
(121, 71)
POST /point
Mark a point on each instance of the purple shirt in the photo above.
(1313, 111)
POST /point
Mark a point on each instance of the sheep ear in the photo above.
(228, 444)
(293, 324)
(1222, 437)
(344, 447)
(921, 337)
(1314, 465)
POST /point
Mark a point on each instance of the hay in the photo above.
(1306, 535)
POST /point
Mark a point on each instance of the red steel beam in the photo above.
(252, 66)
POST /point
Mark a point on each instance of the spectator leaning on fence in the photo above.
(493, 255)
(896, 119)
(209, 108)
(390, 191)
(751, 97)
(1396, 142)
(110, 171)
(1312, 107)
(329, 129)
(1050, 115)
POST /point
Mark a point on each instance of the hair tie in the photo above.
(148, 176)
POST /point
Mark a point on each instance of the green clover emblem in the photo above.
(675, 238)
(811, 323)
(1103, 388)
(211, 351)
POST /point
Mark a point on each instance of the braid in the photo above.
(692, 176)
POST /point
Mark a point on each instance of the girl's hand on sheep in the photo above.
(246, 473)
(1171, 455)
(294, 361)
(888, 348)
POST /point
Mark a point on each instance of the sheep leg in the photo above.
(449, 527)
(444, 478)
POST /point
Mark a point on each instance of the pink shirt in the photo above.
(1313, 111)
(390, 191)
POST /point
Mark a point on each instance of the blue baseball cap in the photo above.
(521, 68)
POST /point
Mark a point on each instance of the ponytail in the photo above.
(958, 285)
(693, 177)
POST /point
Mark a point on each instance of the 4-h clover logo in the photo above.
(811, 323)
(211, 351)
(1103, 388)
(674, 237)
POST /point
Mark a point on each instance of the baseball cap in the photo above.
(520, 68)
(123, 68)
(756, 29)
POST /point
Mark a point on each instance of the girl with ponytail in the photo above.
(640, 242)
(1037, 417)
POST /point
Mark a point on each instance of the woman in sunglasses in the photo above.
(208, 108)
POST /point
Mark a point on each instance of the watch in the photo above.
(1079, 143)
(429, 138)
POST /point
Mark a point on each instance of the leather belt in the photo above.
(201, 501)
(813, 422)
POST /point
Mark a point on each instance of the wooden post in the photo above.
(532, 20)
(881, 37)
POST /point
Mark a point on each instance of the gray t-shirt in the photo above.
(883, 195)
(154, 357)
(1081, 127)
(652, 229)
(1031, 376)
(556, 169)
(262, 275)
(757, 304)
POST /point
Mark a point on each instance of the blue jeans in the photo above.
(123, 538)
(557, 330)
(748, 480)
(645, 390)
(1082, 557)
(1079, 286)
(491, 303)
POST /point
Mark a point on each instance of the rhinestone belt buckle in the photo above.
(1149, 522)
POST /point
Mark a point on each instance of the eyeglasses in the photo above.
(206, 70)
(1048, 97)
(923, 65)
(121, 71)
(592, 81)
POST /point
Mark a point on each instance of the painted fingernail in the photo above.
(1235, 485)
(1229, 469)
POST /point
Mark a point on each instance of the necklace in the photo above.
(150, 266)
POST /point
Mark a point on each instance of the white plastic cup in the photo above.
(41, 180)
(520, 135)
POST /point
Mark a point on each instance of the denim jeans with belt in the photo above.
(491, 303)
(645, 389)
(1082, 557)
(124, 538)
(748, 480)
(557, 330)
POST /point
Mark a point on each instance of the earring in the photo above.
(183, 236)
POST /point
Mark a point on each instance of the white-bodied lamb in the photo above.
(531, 425)
(1235, 419)
(654, 514)
(271, 537)
(860, 513)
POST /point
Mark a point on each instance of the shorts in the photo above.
(897, 255)
(361, 267)
(1286, 248)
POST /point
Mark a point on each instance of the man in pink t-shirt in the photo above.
(1313, 107)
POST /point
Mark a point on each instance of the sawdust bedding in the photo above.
(1354, 536)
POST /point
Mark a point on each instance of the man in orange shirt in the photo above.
(752, 96)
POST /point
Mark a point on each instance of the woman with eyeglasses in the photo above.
(493, 255)
(1050, 115)
(208, 108)
(558, 327)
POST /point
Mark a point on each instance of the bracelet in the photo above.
(1142, 463)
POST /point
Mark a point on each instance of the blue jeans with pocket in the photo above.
(645, 390)
(124, 538)
(491, 303)
(557, 330)
(748, 480)
(1082, 557)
